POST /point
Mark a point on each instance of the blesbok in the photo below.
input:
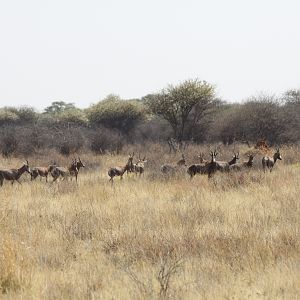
(14, 174)
(65, 172)
(245, 165)
(75, 167)
(171, 168)
(198, 168)
(41, 171)
(212, 166)
(224, 166)
(139, 166)
(119, 171)
(269, 162)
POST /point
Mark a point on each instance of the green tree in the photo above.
(73, 116)
(8, 117)
(112, 112)
(182, 104)
(58, 107)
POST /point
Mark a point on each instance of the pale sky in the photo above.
(80, 51)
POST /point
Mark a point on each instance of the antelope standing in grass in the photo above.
(245, 165)
(139, 166)
(119, 171)
(64, 172)
(212, 166)
(171, 168)
(14, 174)
(41, 171)
(224, 166)
(269, 162)
(198, 168)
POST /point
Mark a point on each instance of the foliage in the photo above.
(25, 114)
(115, 113)
(7, 117)
(57, 107)
(74, 117)
(176, 104)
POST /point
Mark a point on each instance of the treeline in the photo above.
(189, 111)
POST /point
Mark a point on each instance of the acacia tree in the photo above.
(177, 104)
(57, 107)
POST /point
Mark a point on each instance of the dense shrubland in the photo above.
(189, 111)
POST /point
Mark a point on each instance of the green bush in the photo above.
(8, 117)
(74, 117)
(115, 113)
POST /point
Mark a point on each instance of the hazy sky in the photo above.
(80, 51)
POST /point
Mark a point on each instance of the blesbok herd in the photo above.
(204, 167)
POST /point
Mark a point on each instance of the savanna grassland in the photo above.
(235, 236)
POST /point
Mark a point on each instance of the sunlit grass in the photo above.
(235, 236)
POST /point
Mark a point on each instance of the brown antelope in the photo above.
(198, 168)
(41, 171)
(139, 166)
(14, 174)
(269, 162)
(171, 168)
(119, 171)
(71, 170)
(245, 165)
(75, 167)
(212, 166)
(224, 166)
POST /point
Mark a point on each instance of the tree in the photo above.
(8, 117)
(58, 107)
(112, 112)
(291, 108)
(73, 116)
(182, 104)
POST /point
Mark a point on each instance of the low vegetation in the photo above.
(153, 236)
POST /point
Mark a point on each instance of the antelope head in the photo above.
(27, 168)
(79, 163)
(129, 162)
(213, 155)
(236, 156)
(277, 154)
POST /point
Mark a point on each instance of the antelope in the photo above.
(198, 168)
(269, 162)
(170, 168)
(41, 171)
(139, 167)
(224, 166)
(64, 172)
(245, 165)
(14, 174)
(75, 167)
(119, 171)
(212, 166)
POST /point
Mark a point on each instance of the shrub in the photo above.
(116, 114)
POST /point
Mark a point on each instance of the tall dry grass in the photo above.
(233, 237)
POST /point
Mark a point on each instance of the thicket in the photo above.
(189, 111)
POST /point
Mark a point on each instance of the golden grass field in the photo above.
(233, 237)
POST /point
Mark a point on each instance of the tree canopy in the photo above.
(112, 112)
(177, 104)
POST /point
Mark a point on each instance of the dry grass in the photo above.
(233, 237)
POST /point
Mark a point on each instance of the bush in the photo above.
(7, 117)
(73, 117)
(105, 140)
(116, 114)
